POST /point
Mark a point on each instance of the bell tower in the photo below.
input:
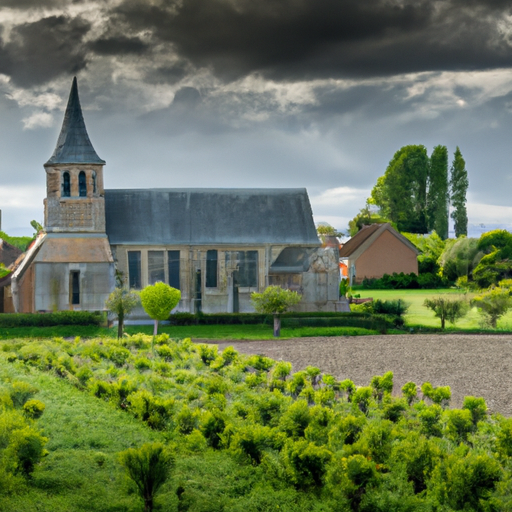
(74, 178)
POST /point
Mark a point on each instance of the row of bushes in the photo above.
(406, 281)
(51, 319)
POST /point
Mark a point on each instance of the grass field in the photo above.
(419, 315)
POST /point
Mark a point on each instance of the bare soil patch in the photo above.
(476, 365)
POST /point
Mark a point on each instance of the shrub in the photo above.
(476, 406)
(493, 304)
(446, 309)
(25, 449)
(33, 409)
(305, 463)
(148, 467)
(50, 319)
(20, 392)
(410, 392)
(440, 395)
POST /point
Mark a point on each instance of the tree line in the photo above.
(416, 190)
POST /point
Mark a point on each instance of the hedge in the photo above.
(51, 319)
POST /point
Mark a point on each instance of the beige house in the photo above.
(216, 245)
(376, 250)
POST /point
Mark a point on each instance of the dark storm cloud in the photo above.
(306, 38)
(30, 4)
(45, 49)
(118, 45)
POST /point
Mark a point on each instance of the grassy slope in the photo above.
(418, 314)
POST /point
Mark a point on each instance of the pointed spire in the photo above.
(73, 144)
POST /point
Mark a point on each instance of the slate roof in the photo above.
(366, 232)
(73, 144)
(209, 217)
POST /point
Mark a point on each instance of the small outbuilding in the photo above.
(376, 250)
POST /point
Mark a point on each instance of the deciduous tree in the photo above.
(275, 301)
(158, 300)
(121, 302)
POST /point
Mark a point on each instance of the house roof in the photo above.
(8, 253)
(371, 231)
(73, 144)
(209, 217)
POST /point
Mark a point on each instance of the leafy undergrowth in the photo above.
(249, 434)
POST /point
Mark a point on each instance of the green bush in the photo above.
(33, 409)
(148, 467)
(51, 319)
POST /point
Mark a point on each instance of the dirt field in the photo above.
(477, 365)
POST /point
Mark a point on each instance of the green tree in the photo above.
(460, 257)
(148, 467)
(401, 193)
(366, 217)
(496, 265)
(447, 309)
(459, 186)
(437, 198)
(120, 303)
(275, 301)
(158, 300)
(493, 304)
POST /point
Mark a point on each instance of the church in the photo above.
(215, 245)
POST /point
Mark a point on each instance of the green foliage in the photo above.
(50, 319)
(274, 300)
(21, 242)
(493, 304)
(459, 185)
(447, 309)
(33, 409)
(365, 217)
(460, 257)
(158, 300)
(405, 281)
(4, 271)
(439, 395)
(122, 302)
(148, 467)
(244, 425)
(496, 265)
(327, 230)
(437, 197)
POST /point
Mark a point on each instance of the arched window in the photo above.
(82, 186)
(94, 182)
(66, 187)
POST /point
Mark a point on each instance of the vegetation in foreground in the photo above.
(237, 433)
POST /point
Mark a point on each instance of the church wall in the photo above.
(53, 286)
(216, 299)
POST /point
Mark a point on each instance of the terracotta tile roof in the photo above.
(357, 240)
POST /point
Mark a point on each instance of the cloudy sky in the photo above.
(266, 93)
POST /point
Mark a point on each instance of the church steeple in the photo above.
(74, 178)
(73, 144)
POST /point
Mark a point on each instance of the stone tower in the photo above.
(74, 178)
(71, 265)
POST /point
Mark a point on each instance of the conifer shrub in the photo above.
(33, 409)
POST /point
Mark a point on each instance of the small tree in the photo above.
(158, 300)
(120, 303)
(446, 309)
(275, 301)
(148, 467)
(493, 304)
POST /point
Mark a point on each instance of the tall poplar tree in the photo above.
(459, 186)
(438, 195)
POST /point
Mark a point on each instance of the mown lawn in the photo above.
(419, 315)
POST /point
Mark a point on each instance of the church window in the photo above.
(134, 269)
(248, 268)
(74, 281)
(173, 260)
(94, 186)
(156, 270)
(66, 186)
(82, 185)
(211, 268)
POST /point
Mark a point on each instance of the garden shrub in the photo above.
(295, 420)
(305, 463)
(51, 319)
(410, 392)
(25, 450)
(33, 409)
(440, 395)
(20, 392)
(476, 406)
(250, 441)
(430, 419)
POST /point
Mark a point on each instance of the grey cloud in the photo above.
(119, 45)
(291, 39)
(43, 50)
